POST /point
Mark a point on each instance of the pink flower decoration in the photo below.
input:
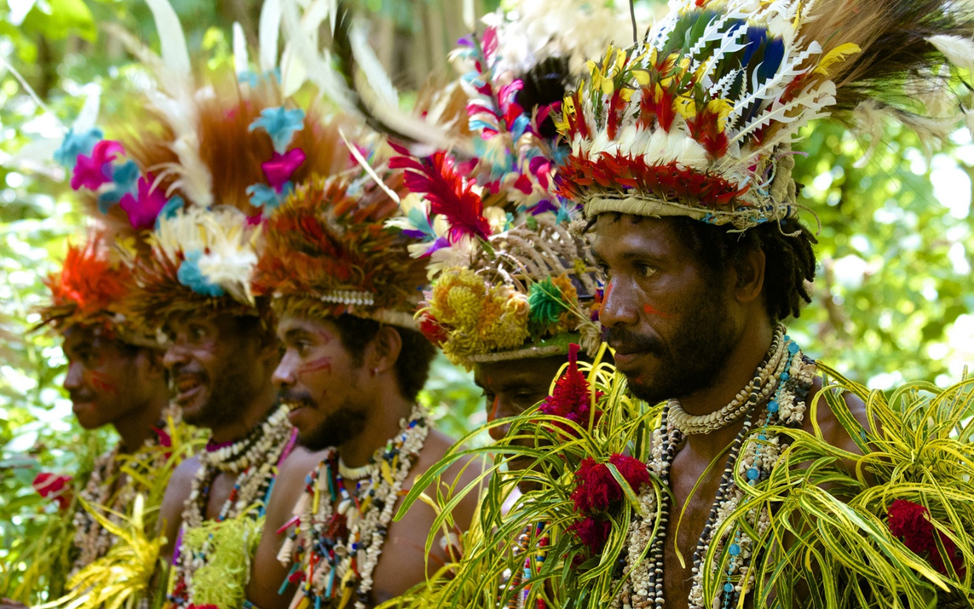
(281, 167)
(90, 172)
(144, 210)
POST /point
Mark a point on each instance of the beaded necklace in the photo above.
(255, 459)
(790, 385)
(532, 564)
(337, 550)
(106, 488)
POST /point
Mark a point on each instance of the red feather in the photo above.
(449, 194)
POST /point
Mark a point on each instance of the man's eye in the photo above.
(646, 271)
(489, 396)
(302, 346)
(197, 332)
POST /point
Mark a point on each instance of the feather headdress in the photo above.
(510, 281)
(94, 288)
(201, 261)
(326, 250)
(698, 119)
(208, 159)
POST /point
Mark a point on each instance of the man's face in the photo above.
(670, 320)
(321, 382)
(510, 388)
(213, 367)
(106, 379)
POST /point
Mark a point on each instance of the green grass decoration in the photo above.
(829, 544)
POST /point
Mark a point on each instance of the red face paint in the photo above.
(320, 364)
(98, 381)
(608, 290)
(494, 408)
(649, 310)
(324, 336)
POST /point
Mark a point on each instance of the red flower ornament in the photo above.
(911, 523)
(52, 485)
(597, 489)
(592, 533)
(571, 398)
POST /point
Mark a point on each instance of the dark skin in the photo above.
(111, 383)
(511, 387)
(202, 352)
(318, 372)
(114, 384)
(653, 284)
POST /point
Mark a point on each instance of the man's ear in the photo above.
(750, 269)
(383, 351)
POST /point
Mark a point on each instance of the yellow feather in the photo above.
(835, 56)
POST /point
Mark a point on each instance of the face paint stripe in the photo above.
(98, 382)
(649, 310)
(321, 364)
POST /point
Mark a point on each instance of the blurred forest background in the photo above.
(894, 300)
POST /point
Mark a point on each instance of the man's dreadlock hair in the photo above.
(789, 258)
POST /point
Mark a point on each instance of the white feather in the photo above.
(958, 51)
(175, 55)
(371, 67)
(293, 74)
(240, 60)
(269, 30)
(368, 168)
(773, 87)
(302, 32)
(88, 117)
(811, 101)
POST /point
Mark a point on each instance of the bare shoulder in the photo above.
(456, 478)
(267, 572)
(464, 469)
(299, 463)
(832, 429)
(180, 485)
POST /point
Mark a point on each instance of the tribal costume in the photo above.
(113, 508)
(511, 283)
(328, 254)
(698, 121)
(210, 158)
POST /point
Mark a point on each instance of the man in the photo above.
(688, 182)
(344, 288)
(214, 156)
(115, 377)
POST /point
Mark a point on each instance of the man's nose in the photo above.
(618, 306)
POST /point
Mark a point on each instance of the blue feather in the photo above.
(755, 38)
(774, 52)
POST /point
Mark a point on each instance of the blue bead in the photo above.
(762, 437)
(785, 376)
(728, 587)
(786, 338)
(792, 348)
(735, 549)
(753, 474)
(773, 406)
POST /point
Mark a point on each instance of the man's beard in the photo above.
(344, 424)
(693, 360)
(229, 389)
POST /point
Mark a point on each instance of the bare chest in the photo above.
(695, 487)
(219, 492)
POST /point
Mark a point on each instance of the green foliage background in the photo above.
(894, 299)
